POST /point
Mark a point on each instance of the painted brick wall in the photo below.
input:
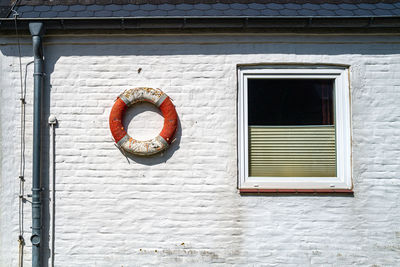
(183, 208)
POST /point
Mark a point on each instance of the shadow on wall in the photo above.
(206, 45)
(160, 157)
(47, 197)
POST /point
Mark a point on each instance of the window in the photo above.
(294, 128)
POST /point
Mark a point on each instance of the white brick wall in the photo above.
(183, 208)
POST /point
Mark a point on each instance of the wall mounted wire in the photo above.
(21, 177)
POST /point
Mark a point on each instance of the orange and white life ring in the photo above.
(158, 143)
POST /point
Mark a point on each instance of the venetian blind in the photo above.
(292, 151)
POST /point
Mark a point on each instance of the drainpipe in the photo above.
(37, 30)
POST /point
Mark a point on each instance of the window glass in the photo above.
(290, 102)
(291, 128)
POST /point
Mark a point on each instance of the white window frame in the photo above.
(340, 75)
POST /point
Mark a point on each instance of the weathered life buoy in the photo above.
(149, 147)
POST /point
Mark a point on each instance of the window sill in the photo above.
(295, 191)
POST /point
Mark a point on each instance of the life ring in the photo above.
(149, 147)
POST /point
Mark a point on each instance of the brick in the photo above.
(183, 208)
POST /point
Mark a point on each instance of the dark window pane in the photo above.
(290, 102)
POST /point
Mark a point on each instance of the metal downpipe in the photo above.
(37, 30)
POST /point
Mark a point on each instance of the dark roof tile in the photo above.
(174, 12)
(329, 6)
(95, 7)
(121, 13)
(232, 12)
(381, 12)
(103, 13)
(213, 12)
(367, 6)
(292, 6)
(342, 12)
(360, 12)
(210, 8)
(117, 2)
(288, 12)
(24, 8)
(77, 8)
(108, 2)
(66, 14)
(84, 13)
(34, 2)
(148, 7)
(100, 2)
(48, 14)
(325, 12)
(140, 13)
(269, 12)
(395, 11)
(256, 6)
(30, 14)
(274, 6)
(252, 12)
(83, 2)
(203, 6)
(384, 6)
(184, 7)
(158, 13)
(166, 7)
(113, 7)
(130, 7)
(311, 6)
(347, 6)
(41, 8)
(59, 8)
(239, 6)
(220, 6)
(306, 12)
(195, 12)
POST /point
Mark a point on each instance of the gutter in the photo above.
(37, 31)
(212, 24)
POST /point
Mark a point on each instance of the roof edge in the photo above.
(212, 24)
(175, 2)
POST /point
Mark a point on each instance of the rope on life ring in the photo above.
(143, 94)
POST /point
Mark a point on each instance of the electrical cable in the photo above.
(22, 162)
(12, 9)
(21, 240)
(52, 123)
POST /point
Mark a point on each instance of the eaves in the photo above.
(297, 24)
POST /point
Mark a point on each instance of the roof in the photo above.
(291, 16)
(202, 8)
